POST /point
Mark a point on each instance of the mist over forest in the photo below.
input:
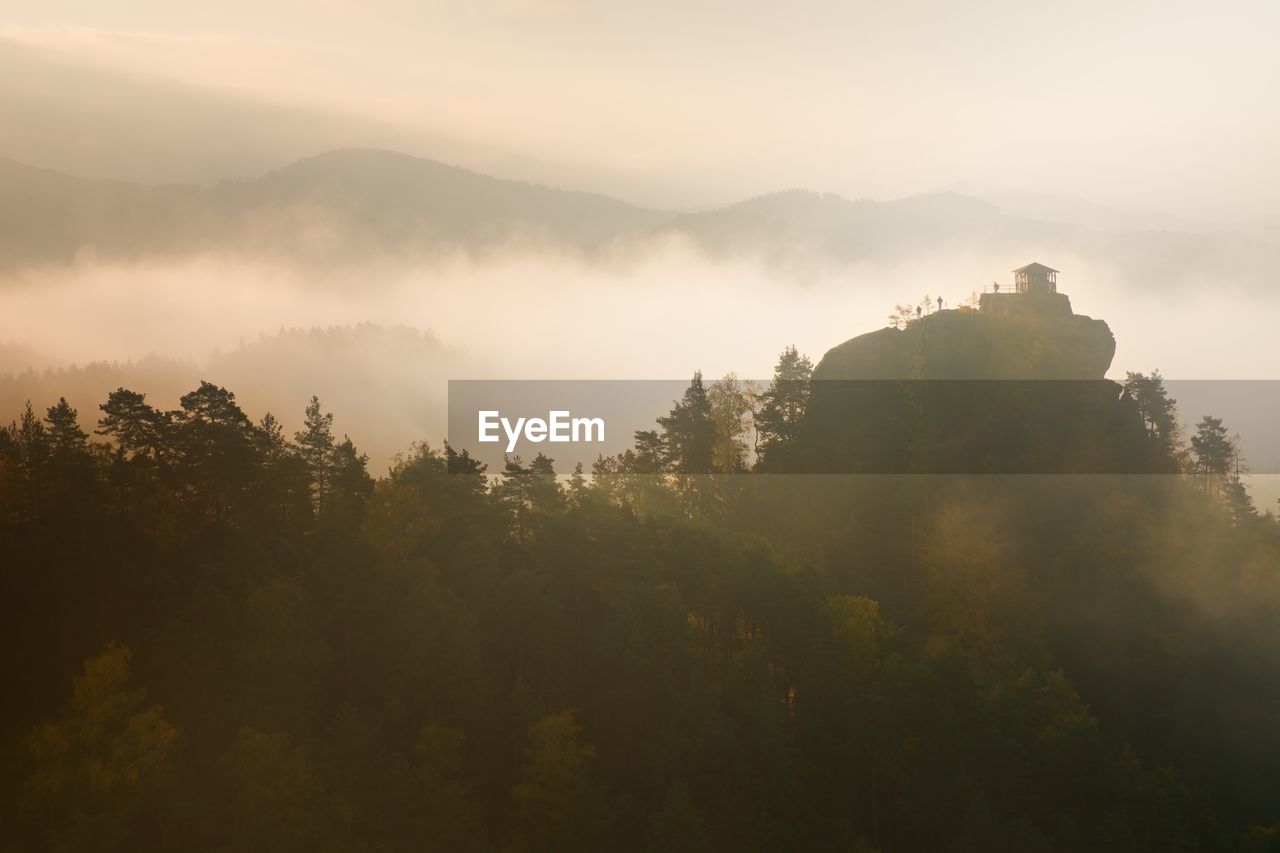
(517, 280)
(940, 506)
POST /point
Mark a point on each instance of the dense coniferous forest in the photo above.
(219, 636)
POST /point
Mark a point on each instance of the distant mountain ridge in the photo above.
(352, 202)
(857, 229)
(353, 205)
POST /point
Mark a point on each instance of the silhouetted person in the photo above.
(939, 303)
(918, 310)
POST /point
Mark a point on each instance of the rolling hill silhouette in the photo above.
(353, 205)
(348, 202)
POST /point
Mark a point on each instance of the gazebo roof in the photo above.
(1035, 267)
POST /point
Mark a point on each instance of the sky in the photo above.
(1163, 107)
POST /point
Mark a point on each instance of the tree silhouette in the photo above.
(315, 444)
(689, 432)
(784, 402)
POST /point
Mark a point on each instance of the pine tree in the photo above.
(1214, 450)
(689, 432)
(27, 444)
(138, 428)
(1159, 412)
(71, 471)
(65, 436)
(284, 476)
(577, 486)
(315, 443)
(1238, 501)
(529, 492)
(271, 437)
(546, 493)
(784, 403)
(217, 446)
(515, 493)
(466, 470)
(349, 483)
(212, 404)
(650, 454)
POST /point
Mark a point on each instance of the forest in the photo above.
(220, 636)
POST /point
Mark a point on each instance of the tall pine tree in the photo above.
(315, 444)
(689, 432)
(784, 403)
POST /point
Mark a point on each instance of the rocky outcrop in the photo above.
(1025, 336)
(1018, 387)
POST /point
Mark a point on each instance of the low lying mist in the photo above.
(532, 314)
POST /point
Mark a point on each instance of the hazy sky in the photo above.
(1150, 105)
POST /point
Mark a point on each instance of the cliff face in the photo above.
(964, 392)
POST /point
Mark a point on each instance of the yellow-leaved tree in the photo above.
(95, 764)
